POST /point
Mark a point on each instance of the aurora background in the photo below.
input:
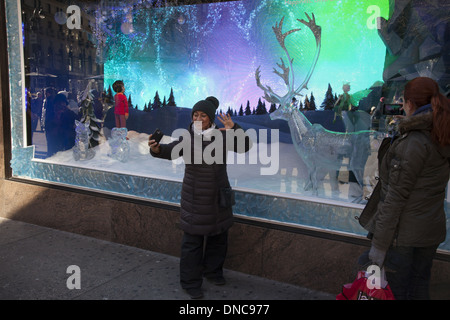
(214, 49)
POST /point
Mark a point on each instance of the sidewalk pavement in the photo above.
(39, 263)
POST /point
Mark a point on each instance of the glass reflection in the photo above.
(171, 56)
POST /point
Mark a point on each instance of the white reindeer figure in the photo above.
(322, 150)
(319, 148)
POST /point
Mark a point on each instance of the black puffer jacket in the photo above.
(200, 210)
(413, 176)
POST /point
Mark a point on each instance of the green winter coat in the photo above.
(408, 203)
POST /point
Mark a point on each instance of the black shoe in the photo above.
(218, 281)
(194, 293)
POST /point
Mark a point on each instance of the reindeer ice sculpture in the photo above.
(319, 148)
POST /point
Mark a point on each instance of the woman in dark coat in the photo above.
(204, 214)
(408, 223)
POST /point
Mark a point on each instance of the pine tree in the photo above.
(88, 116)
(248, 111)
(300, 106)
(328, 102)
(130, 103)
(241, 111)
(261, 108)
(109, 95)
(156, 101)
(306, 103)
(273, 107)
(312, 102)
(171, 101)
(164, 102)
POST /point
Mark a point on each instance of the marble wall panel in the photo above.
(291, 257)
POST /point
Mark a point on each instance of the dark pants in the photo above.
(408, 271)
(202, 256)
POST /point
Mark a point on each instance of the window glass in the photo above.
(314, 83)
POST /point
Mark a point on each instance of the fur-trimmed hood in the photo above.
(421, 122)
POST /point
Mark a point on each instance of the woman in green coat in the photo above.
(408, 223)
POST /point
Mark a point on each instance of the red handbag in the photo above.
(361, 289)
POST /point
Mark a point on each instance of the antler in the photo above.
(285, 74)
(311, 24)
(269, 94)
(317, 31)
(280, 35)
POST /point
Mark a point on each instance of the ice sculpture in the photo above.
(81, 150)
(323, 150)
(287, 71)
(120, 148)
(319, 148)
(86, 99)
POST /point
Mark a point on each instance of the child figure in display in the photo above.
(119, 145)
(343, 103)
(120, 104)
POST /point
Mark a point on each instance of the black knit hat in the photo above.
(208, 106)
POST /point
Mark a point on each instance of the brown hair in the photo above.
(118, 85)
(422, 91)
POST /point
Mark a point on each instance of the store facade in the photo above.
(312, 168)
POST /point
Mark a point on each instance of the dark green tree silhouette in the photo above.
(273, 107)
(260, 108)
(130, 102)
(241, 111)
(248, 111)
(306, 103)
(171, 101)
(328, 102)
(156, 102)
(109, 95)
(312, 102)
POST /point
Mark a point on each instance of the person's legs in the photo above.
(421, 273)
(408, 271)
(398, 270)
(121, 122)
(214, 258)
(117, 119)
(191, 261)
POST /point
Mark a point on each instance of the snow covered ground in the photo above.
(290, 178)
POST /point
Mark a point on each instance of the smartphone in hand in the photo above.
(157, 135)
